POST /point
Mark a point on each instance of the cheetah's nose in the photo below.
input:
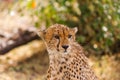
(65, 46)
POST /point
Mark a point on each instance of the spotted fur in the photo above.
(67, 59)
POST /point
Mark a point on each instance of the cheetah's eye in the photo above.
(56, 36)
(69, 36)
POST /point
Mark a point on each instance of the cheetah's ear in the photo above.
(75, 29)
(41, 33)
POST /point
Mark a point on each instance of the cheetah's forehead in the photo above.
(59, 29)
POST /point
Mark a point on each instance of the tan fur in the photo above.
(67, 59)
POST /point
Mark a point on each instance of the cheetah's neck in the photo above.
(76, 52)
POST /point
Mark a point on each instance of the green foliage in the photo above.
(98, 21)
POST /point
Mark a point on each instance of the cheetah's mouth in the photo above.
(65, 51)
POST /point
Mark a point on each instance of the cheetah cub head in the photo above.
(58, 38)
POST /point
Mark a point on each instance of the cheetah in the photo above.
(67, 59)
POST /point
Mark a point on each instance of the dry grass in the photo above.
(107, 67)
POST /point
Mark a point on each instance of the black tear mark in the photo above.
(58, 42)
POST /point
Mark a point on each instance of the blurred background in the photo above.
(23, 55)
